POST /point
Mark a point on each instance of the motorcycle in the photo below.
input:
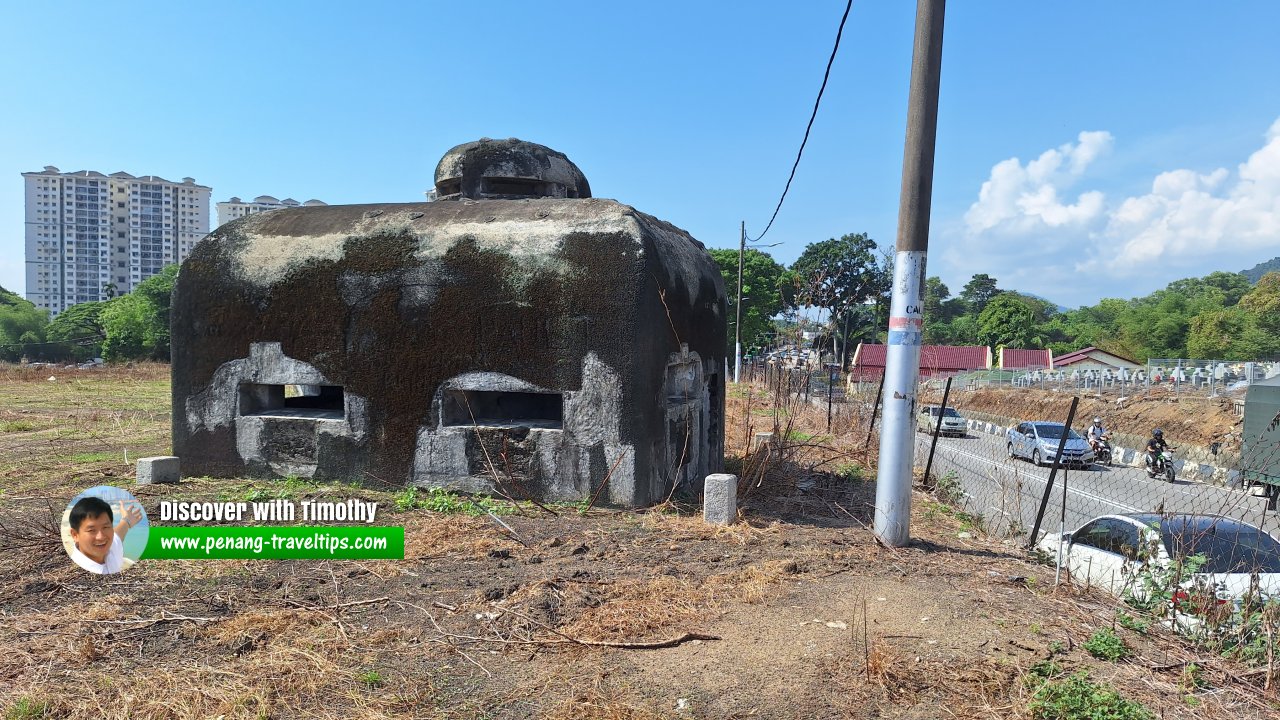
(1102, 450)
(1162, 464)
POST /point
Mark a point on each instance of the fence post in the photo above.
(1062, 528)
(875, 408)
(831, 390)
(937, 430)
(1057, 462)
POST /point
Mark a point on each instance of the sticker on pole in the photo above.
(905, 337)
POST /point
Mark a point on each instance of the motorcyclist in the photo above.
(1156, 445)
(1097, 434)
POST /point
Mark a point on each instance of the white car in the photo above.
(953, 423)
(1116, 552)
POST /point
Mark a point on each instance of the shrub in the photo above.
(1106, 645)
(1079, 698)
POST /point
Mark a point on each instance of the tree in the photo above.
(79, 331)
(935, 297)
(763, 281)
(1041, 309)
(1230, 334)
(22, 327)
(963, 331)
(137, 324)
(938, 311)
(979, 291)
(1233, 286)
(840, 276)
(1263, 302)
(1008, 321)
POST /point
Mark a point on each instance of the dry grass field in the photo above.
(794, 612)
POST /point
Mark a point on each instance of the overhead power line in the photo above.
(813, 116)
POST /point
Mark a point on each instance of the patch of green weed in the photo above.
(442, 501)
(851, 472)
(948, 488)
(1105, 644)
(27, 709)
(370, 678)
(1079, 698)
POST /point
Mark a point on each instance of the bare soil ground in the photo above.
(794, 612)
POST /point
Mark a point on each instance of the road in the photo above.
(1007, 492)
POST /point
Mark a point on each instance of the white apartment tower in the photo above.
(86, 231)
(235, 208)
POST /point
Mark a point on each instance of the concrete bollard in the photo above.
(762, 440)
(163, 469)
(720, 499)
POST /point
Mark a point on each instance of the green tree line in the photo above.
(128, 327)
(1221, 316)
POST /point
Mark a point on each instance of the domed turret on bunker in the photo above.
(514, 337)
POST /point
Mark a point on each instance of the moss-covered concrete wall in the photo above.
(586, 299)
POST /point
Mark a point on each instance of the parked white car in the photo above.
(1113, 552)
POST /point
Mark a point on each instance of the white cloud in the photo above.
(1027, 230)
(1189, 216)
(1022, 199)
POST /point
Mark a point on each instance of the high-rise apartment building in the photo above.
(89, 235)
(235, 208)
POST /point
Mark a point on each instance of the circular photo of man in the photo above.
(104, 529)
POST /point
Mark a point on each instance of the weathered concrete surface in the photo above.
(164, 469)
(275, 443)
(508, 168)
(720, 499)
(616, 313)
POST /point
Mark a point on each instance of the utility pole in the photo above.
(906, 317)
(737, 324)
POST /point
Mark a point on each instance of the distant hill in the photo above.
(1257, 271)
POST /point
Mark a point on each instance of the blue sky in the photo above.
(1085, 149)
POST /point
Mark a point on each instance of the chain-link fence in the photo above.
(1008, 453)
(1188, 541)
(1187, 538)
(999, 445)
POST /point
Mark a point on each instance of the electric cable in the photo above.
(812, 117)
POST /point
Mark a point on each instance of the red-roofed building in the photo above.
(868, 359)
(1091, 358)
(1014, 359)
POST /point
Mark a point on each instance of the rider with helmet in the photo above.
(1156, 445)
(1096, 433)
